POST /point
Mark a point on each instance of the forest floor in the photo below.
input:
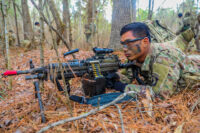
(19, 110)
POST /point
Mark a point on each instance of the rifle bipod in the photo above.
(38, 96)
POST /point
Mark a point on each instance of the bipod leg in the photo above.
(57, 83)
(68, 86)
(38, 96)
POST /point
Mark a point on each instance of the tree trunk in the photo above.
(8, 64)
(1, 31)
(60, 26)
(150, 12)
(133, 10)
(16, 23)
(41, 34)
(120, 16)
(89, 11)
(67, 22)
(65, 16)
(27, 26)
(90, 26)
(42, 37)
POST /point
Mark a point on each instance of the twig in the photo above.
(91, 112)
(121, 118)
(127, 103)
(195, 104)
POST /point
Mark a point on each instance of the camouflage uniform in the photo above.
(180, 26)
(197, 32)
(11, 38)
(26, 44)
(89, 29)
(184, 41)
(29, 45)
(169, 68)
(159, 32)
(37, 36)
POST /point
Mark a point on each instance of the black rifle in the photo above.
(98, 67)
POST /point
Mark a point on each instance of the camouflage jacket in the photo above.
(170, 70)
(159, 32)
(184, 41)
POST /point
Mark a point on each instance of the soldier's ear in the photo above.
(146, 41)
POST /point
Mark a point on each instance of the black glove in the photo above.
(113, 82)
(111, 78)
(119, 86)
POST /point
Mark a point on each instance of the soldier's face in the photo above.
(134, 48)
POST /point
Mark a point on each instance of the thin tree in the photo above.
(42, 37)
(133, 10)
(67, 22)
(8, 63)
(59, 24)
(16, 23)
(27, 26)
(151, 6)
(90, 26)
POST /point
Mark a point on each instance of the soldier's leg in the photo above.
(27, 46)
(197, 42)
(88, 35)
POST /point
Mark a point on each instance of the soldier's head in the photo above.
(10, 31)
(180, 15)
(187, 14)
(37, 24)
(135, 39)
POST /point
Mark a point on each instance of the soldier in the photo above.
(197, 33)
(166, 69)
(37, 34)
(11, 38)
(89, 29)
(33, 44)
(159, 32)
(180, 23)
(188, 21)
(26, 44)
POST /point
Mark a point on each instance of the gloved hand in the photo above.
(111, 78)
(93, 87)
(113, 82)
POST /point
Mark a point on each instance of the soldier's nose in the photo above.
(125, 49)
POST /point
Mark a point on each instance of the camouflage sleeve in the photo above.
(138, 89)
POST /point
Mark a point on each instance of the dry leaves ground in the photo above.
(19, 111)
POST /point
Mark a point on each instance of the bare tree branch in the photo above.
(121, 118)
(91, 112)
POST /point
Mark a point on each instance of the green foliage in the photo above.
(142, 15)
(164, 13)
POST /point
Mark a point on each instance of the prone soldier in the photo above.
(165, 69)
